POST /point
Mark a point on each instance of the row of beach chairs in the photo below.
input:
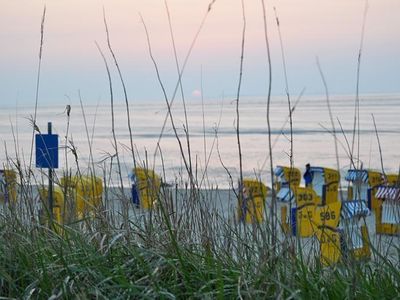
(324, 210)
(321, 209)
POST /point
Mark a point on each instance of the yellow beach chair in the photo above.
(287, 180)
(8, 186)
(363, 186)
(87, 192)
(251, 208)
(327, 219)
(326, 184)
(146, 186)
(387, 215)
(58, 205)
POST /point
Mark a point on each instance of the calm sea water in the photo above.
(213, 143)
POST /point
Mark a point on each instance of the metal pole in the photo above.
(50, 194)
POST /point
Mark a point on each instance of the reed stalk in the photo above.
(271, 164)
(356, 123)
(123, 87)
(241, 196)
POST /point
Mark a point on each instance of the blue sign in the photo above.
(46, 151)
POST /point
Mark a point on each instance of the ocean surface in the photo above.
(212, 136)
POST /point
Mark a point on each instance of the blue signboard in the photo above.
(46, 151)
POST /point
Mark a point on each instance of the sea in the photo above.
(203, 136)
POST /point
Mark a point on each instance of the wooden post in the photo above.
(50, 194)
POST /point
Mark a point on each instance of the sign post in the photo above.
(49, 132)
(47, 158)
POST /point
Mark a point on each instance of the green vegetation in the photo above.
(178, 249)
(164, 258)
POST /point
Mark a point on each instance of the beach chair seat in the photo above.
(285, 194)
(390, 213)
(353, 209)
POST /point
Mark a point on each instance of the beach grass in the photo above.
(39, 263)
(174, 250)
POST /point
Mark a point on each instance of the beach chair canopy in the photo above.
(286, 174)
(278, 171)
(329, 175)
(317, 170)
(388, 192)
(369, 177)
(254, 188)
(143, 176)
(357, 175)
(392, 179)
(323, 176)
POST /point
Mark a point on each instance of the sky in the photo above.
(327, 29)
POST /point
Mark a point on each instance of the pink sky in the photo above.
(310, 28)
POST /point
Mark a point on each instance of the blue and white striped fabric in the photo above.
(3, 185)
(278, 172)
(351, 209)
(390, 213)
(356, 175)
(388, 192)
(317, 170)
(354, 234)
(285, 194)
